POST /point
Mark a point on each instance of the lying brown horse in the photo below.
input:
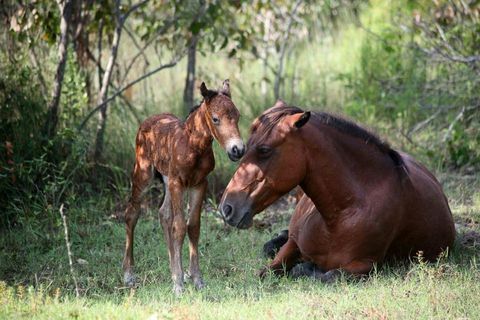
(181, 154)
(364, 202)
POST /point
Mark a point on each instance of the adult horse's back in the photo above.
(364, 201)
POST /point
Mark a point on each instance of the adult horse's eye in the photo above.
(264, 151)
(215, 120)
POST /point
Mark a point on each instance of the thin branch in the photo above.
(283, 50)
(141, 51)
(450, 127)
(114, 87)
(133, 8)
(120, 91)
(422, 124)
(69, 251)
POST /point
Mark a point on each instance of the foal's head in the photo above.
(274, 164)
(222, 119)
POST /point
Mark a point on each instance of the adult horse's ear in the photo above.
(226, 88)
(300, 122)
(206, 94)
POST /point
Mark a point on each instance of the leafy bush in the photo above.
(409, 82)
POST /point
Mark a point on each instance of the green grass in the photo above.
(35, 281)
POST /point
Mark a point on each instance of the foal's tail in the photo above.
(159, 176)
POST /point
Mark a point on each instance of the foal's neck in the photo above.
(196, 127)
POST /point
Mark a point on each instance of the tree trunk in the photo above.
(52, 113)
(102, 95)
(190, 79)
(283, 50)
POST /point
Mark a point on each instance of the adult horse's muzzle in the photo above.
(239, 216)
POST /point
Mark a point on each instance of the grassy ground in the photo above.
(35, 280)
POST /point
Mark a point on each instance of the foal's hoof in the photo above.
(178, 289)
(199, 284)
(129, 279)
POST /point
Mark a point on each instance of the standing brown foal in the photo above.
(182, 153)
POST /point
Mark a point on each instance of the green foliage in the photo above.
(411, 77)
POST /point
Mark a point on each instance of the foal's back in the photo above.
(155, 137)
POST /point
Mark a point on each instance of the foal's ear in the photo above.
(298, 120)
(206, 94)
(226, 88)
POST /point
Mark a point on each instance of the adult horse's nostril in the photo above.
(235, 150)
(227, 211)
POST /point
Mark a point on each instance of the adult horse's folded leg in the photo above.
(197, 195)
(310, 270)
(271, 247)
(305, 269)
(284, 260)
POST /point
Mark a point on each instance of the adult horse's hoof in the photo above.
(305, 269)
(262, 273)
(270, 248)
(129, 279)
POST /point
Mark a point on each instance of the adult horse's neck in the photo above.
(199, 134)
(340, 169)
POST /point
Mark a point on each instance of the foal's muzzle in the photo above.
(235, 149)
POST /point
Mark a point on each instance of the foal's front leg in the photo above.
(177, 230)
(197, 195)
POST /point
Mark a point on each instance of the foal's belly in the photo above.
(193, 169)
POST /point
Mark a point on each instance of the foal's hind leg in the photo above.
(176, 228)
(197, 195)
(141, 177)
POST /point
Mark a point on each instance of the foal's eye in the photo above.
(264, 151)
(215, 120)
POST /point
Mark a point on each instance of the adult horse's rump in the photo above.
(364, 202)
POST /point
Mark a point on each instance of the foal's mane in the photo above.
(262, 127)
(195, 107)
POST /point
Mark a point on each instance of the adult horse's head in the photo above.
(273, 165)
(222, 119)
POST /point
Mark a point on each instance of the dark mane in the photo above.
(195, 107)
(262, 127)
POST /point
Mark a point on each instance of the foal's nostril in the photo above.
(241, 152)
(227, 211)
(238, 152)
